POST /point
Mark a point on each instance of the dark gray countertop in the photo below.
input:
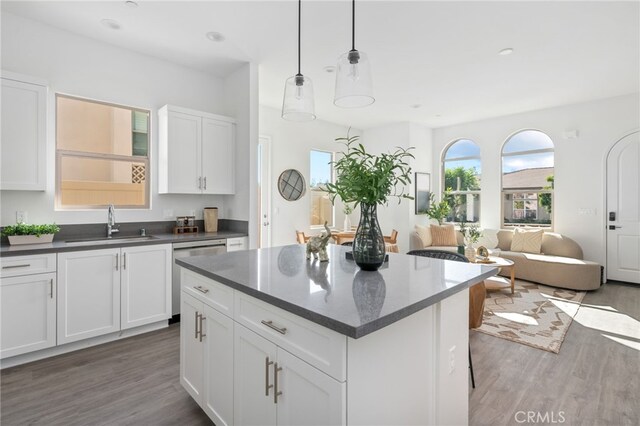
(337, 294)
(161, 238)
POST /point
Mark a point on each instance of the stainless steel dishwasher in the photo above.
(191, 248)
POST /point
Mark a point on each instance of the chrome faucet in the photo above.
(111, 222)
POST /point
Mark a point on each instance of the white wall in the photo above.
(401, 217)
(241, 94)
(579, 163)
(290, 146)
(84, 67)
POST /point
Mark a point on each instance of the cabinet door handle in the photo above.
(205, 182)
(267, 386)
(201, 289)
(196, 323)
(200, 182)
(276, 392)
(202, 318)
(51, 288)
(117, 261)
(235, 244)
(24, 265)
(269, 324)
(124, 260)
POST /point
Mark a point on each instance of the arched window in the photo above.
(527, 179)
(461, 169)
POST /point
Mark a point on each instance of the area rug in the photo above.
(535, 315)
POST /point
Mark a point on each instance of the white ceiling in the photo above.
(442, 55)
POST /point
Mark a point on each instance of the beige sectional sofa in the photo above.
(559, 264)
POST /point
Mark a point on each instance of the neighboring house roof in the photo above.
(527, 178)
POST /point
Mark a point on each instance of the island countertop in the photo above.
(337, 294)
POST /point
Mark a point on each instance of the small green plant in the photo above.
(347, 209)
(24, 229)
(438, 211)
(471, 234)
(362, 177)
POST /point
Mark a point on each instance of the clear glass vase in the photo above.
(368, 244)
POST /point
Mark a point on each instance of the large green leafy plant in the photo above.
(364, 178)
(24, 229)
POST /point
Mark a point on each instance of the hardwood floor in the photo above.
(594, 380)
(134, 381)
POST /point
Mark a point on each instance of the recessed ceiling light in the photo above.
(215, 36)
(438, 115)
(505, 52)
(131, 4)
(330, 69)
(110, 23)
(415, 106)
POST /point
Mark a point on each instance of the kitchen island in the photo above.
(268, 337)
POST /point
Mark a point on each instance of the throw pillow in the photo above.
(489, 239)
(527, 241)
(443, 236)
(425, 235)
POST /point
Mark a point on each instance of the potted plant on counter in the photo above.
(23, 233)
(367, 180)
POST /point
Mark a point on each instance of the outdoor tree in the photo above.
(546, 198)
(460, 179)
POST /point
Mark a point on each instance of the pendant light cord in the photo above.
(299, 13)
(353, 25)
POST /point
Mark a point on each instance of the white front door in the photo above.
(623, 210)
(264, 190)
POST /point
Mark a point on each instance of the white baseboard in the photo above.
(74, 346)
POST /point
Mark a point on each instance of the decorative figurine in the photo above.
(317, 245)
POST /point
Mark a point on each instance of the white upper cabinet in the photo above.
(23, 144)
(196, 152)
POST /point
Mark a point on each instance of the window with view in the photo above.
(527, 179)
(321, 173)
(461, 169)
(102, 155)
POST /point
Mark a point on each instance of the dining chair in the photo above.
(477, 294)
(393, 238)
(301, 238)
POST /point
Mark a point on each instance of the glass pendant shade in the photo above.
(354, 87)
(298, 104)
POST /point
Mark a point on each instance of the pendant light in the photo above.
(298, 104)
(354, 88)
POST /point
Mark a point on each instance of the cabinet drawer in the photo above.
(216, 295)
(27, 265)
(323, 348)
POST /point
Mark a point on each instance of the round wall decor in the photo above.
(291, 185)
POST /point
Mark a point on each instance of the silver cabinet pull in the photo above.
(196, 325)
(200, 182)
(124, 260)
(51, 288)
(269, 324)
(117, 261)
(201, 289)
(267, 386)
(202, 318)
(276, 392)
(205, 182)
(235, 244)
(24, 265)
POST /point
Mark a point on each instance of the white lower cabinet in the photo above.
(237, 244)
(206, 358)
(145, 285)
(104, 291)
(88, 294)
(27, 314)
(274, 387)
(241, 377)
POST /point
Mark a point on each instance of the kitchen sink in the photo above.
(113, 240)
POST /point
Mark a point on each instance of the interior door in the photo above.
(623, 210)
(264, 190)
